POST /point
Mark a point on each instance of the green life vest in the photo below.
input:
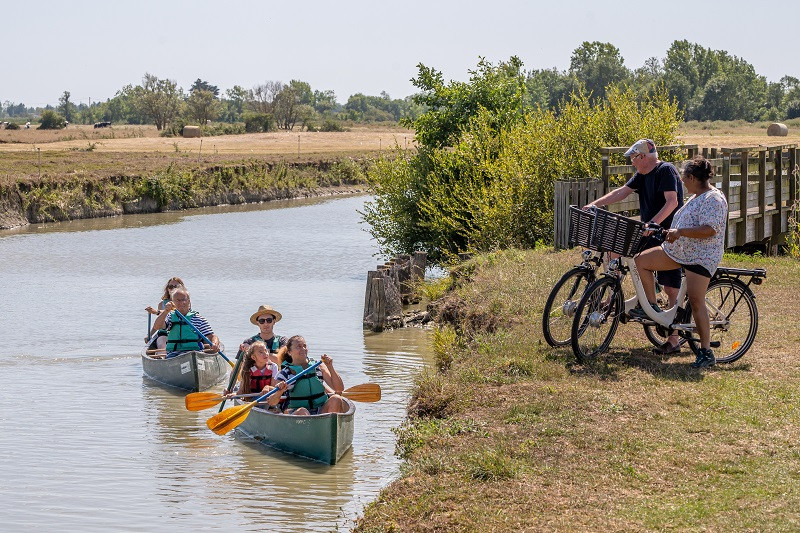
(181, 337)
(308, 391)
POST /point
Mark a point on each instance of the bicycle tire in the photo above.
(731, 302)
(560, 306)
(596, 318)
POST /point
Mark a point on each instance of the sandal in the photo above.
(666, 349)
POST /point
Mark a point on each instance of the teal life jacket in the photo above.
(308, 391)
(181, 337)
(272, 347)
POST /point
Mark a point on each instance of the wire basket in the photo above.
(581, 224)
(618, 234)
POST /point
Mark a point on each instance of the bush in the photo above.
(174, 128)
(221, 128)
(494, 187)
(51, 120)
(258, 122)
(331, 125)
(12, 126)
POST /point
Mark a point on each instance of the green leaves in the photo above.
(493, 188)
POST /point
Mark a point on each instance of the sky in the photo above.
(94, 48)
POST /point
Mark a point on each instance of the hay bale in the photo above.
(776, 129)
(191, 131)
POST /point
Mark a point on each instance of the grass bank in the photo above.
(95, 185)
(507, 434)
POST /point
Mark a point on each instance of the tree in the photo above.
(66, 107)
(285, 108)
(199, 85)
(51, 120)
(202, 106)
(546, 88)
(159, 100)
(598, 65)
(234, 104)
(325, 102)
(262, 97)
(450, 107)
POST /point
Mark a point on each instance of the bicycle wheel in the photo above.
(561, 304)
(734, 319)
(596, 319)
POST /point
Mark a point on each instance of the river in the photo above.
(89, 444)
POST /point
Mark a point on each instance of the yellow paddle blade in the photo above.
(197, 401)
(366, 392)
(228, 419)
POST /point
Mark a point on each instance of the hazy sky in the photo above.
(93, 48)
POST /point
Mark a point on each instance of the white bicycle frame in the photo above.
(666, 317)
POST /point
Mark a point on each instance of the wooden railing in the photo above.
(757, 213)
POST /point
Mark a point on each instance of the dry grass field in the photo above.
(732, 134)
(145, 139)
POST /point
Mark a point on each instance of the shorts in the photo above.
(667, 278)
(697, 269)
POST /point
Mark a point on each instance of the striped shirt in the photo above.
(197, 321)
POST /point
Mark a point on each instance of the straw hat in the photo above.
(265, 310)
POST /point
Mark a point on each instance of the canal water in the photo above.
(88, 444)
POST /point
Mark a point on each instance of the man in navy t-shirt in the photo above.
(660, 195)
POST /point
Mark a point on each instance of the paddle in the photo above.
(234, 375)
(231, 417)
(197, 401)
(180, 315)
(149, 319)
(366, 392)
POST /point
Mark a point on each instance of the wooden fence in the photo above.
(389, 288)
(757, 213)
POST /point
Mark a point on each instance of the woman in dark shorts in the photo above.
(695, 241)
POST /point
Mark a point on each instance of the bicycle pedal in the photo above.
(715, 344)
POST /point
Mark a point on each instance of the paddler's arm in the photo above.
(161, 319)
(330, 375)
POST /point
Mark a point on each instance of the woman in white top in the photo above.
(695, 241)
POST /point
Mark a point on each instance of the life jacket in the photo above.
(181, 337)
(272, 347)
(308, 391)
(260, 378)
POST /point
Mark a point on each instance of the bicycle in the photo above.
(730, 301)
(559, 309)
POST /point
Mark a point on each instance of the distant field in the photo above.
(146, 139)
(731, 134)
(85, 152)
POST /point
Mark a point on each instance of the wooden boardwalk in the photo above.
(757, 213)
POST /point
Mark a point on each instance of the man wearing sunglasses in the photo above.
(265, 318)
(660, 195)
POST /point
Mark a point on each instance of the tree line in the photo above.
(706, 84)
(267, 106)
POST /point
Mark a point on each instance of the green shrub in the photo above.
(494, 187)
(51, 120)
(12, 126)
(331, 125)
(258, 122)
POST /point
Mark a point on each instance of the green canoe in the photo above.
(323, 438)
(192, 371)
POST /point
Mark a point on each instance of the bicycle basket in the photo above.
(581, 224)
(618, 234)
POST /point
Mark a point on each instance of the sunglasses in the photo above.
(267, 320)
(172, 286)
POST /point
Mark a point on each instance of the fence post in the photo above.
(762, 194)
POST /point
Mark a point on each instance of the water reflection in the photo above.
(140, 459)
